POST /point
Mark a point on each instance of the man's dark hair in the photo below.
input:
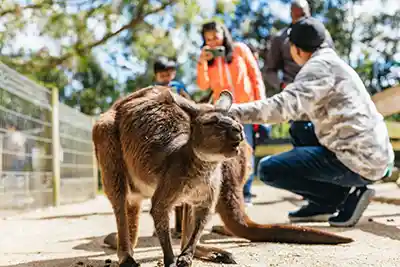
(163, 63)
(308, 34)
(227, 43)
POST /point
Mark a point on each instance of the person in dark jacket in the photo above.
(279, 58)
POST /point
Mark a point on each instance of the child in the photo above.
(165, 72)
(350, 148)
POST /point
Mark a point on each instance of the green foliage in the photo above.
(77, 29)
(280, 131)
(137, 31)
(395, 117)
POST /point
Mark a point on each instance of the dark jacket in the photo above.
(279, 58)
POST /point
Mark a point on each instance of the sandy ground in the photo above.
(72, 236)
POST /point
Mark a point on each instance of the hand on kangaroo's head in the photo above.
(215, 133)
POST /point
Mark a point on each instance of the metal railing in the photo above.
(46, 153)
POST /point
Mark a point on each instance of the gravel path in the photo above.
(71, 236)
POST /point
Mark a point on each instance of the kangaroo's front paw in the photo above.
(184, 260)
(129, 262)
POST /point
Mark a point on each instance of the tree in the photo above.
(377, 35)
(78, 31)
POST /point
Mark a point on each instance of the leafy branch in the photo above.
(137, 19)
(17, 9)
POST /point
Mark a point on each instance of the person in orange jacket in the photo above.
(228, 65)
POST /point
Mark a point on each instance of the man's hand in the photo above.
(234, 112)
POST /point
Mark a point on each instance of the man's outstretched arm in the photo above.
(311, 84)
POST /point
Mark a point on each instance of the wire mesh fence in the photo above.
(26, 146)
(76, 155)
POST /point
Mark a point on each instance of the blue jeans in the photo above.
(310, 170)
(248, 131)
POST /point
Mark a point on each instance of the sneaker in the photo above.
(353, 208)
(311, 213)
(247, 201)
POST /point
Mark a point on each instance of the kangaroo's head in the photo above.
(215, 133)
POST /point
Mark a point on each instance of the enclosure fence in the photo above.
(45, 146)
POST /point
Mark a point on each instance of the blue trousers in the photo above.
(310, 169)
(249, 132)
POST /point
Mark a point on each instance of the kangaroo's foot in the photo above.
(129, 262)
(184, 260)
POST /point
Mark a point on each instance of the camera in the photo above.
(218, 51)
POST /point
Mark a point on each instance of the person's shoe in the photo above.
(247, 201)
(353, 208)
(311, 213)
(253, 195)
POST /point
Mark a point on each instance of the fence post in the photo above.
(95, 168)
(55, 123)
(1, 154)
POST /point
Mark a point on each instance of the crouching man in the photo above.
(349, 147)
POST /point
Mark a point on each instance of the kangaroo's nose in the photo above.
(236, 133)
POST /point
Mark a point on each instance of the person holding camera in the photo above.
(228, 65)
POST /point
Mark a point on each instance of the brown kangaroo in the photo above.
(156, 144)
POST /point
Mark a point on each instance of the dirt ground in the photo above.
(72, 236)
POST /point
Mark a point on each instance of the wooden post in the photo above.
(1, 154)
(387, 101)
(55, 147)
(95, 167)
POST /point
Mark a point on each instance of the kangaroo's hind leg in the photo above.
(202, 252)
(133, 212)
(113, 172)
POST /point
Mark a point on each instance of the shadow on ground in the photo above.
(389, 229)
(151, 243)
(78, 262)
(145, 245)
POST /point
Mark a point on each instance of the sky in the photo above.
(282, 11)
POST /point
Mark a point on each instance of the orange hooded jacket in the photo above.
(242, 77)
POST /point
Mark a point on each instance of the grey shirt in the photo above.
(331, 94)
(279, 58)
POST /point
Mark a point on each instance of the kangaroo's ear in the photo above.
(189, 106)
(224, 101)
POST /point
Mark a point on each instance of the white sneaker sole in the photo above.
(316, 218)
(359, 210)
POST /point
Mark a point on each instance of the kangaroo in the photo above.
(155, 144)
